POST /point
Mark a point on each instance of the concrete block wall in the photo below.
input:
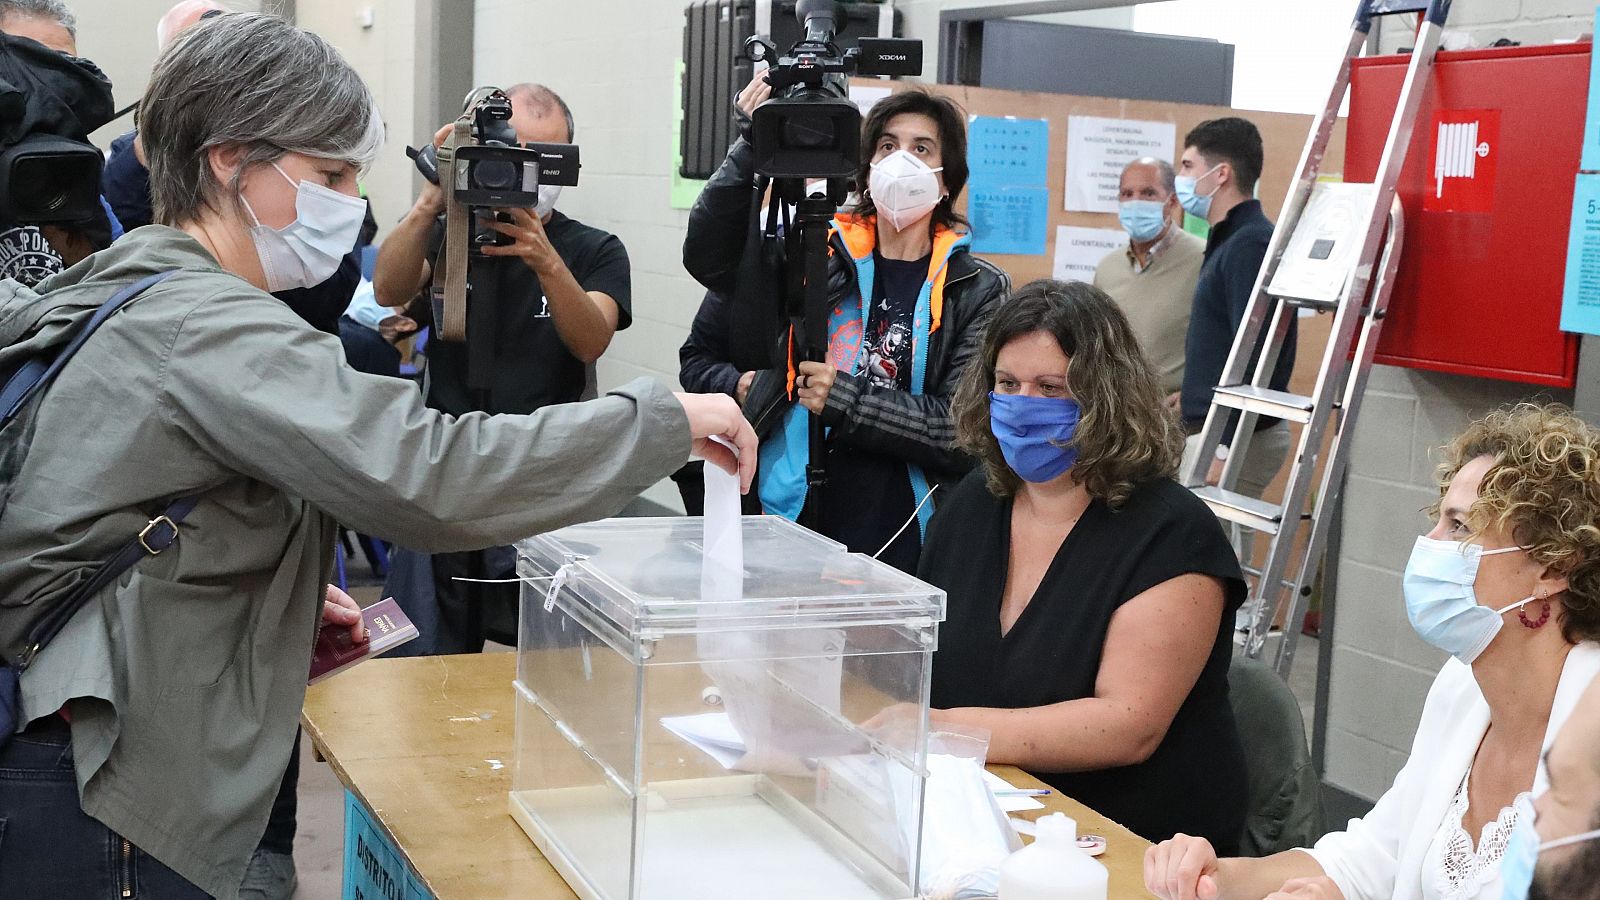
(1381, 671)
(1482, 22)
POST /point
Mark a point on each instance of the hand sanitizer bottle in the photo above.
(1052, 867)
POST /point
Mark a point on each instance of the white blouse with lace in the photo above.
(1456, 870)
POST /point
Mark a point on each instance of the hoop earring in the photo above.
(1535, 624)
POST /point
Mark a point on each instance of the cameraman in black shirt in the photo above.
(565, 292)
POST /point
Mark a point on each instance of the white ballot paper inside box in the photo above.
(780, 689)
(769, 647)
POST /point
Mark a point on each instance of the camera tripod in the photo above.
(807, 306)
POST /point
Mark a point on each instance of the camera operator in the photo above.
(41, 57)
(565, 291)
(908, 305)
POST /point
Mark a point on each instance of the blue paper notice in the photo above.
(1008, 219)
(1009, 151)
(1008, 201)
(1580, 302)
(1591, 125)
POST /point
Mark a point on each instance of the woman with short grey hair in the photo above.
(155, 727)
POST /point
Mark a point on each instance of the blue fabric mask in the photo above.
(1193, 203)
(1440, 601)
(1522, 851)
(1143, 220)
(1035, 434)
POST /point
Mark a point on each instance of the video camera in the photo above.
(810, 128)
(49, 102)
(483, 171)
(492, 170)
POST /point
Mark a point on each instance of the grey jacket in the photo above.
(185, 680)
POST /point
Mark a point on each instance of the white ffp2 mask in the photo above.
(307, 251)
(903, 188)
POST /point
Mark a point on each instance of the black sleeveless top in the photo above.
(1195, 781)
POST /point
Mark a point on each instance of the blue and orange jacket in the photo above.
(915, 426)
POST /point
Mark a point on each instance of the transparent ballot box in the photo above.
(692, 729)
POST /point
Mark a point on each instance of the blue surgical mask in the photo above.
(1440, 601)
(1196, 205)
(1522, 851)
(1144, 220)
(1035, 434)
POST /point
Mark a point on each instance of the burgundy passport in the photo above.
(387, 628)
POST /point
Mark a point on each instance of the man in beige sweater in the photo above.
(1153, 281)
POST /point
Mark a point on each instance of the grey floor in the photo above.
(319, 846)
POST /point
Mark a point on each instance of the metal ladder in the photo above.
(1331, 240)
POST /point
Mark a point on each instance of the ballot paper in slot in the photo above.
(667, 638)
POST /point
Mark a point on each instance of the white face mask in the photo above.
(307, 251)
(903, 188)
(548, 194)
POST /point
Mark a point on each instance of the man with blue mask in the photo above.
(1217, 176)
(1153, 281)
(1555, 853)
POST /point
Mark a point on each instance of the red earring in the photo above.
(1544, 615)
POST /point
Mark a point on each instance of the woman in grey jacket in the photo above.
(157, 725)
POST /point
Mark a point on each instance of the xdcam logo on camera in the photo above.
(25, 256)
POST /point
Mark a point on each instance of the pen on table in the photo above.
(1024, 792)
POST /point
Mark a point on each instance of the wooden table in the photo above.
(425, 748)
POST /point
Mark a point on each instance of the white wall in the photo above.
(386, 56)
(120, 37)
(1381, 670)
(614, 65)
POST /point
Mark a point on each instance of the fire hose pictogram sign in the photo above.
(1465, 148)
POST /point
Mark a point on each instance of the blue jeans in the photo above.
(50, 848)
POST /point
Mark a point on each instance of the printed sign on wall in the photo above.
(1099, 149)
(1466, 145)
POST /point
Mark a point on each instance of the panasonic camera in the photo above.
(492, 170)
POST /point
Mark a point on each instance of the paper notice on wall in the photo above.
(1580, 301)
(1098, 150)
(1591, 126)
(1008, 198)
(1008, 151)
(865, 97)
(1080, 250)
(1007, 219)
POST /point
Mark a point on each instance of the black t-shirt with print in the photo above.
(25, 256)
(868, 495)
(533, 367)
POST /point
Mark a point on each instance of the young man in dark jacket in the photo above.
(908, 303)
(1222, 161)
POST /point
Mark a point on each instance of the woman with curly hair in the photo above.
(1507, 583)
(1090, 596)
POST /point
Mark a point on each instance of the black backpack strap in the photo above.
(36, 375)
(158, 535)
